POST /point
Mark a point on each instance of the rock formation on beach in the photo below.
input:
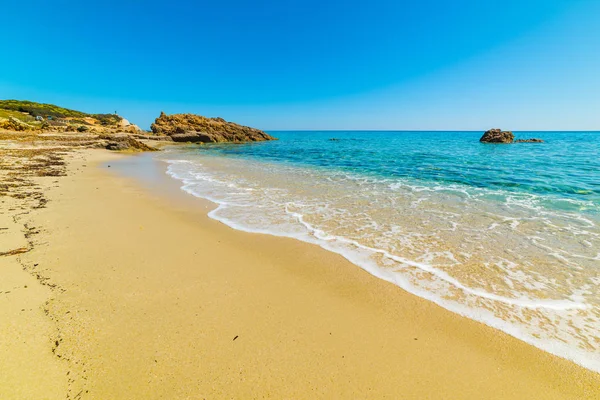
(199, 129)
(124, 142)
(497, 136)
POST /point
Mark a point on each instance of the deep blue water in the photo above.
(567, 165)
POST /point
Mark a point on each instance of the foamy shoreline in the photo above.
(204, 183)
(158, 300)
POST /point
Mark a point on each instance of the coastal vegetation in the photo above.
(22, 115)
(40, 109)
(35, 122)
(51, 125)
(39, 122)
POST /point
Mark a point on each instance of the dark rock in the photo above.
(117, 146)
(199, 129)
(125, 142)
(194, 137)
(532, 140)
(497, 136)
(153, 137)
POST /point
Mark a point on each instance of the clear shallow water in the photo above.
(505, 234)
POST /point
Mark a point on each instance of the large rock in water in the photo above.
(497, 136)
(196, 128)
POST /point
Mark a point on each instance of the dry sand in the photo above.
(145, 297)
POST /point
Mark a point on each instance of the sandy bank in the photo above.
(152, 299)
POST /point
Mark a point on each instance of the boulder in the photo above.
(152, 137)
(117, 146)
(125, 142)
(497, 136)
(194, 137)
(199, 129)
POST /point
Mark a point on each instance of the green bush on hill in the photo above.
(108, 119)
(18, 115)
(40, 109)
(51, 110)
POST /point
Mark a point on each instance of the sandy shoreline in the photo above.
(146, 297)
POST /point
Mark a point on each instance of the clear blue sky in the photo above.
(306, 64)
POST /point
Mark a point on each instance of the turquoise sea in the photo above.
(508, 235)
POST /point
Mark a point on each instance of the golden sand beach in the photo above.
(119, 290)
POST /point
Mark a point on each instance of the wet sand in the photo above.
(147, 297)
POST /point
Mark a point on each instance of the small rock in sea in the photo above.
(334, 140)
(532, 140)
(497, 136)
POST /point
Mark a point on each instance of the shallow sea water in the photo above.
(508, 235)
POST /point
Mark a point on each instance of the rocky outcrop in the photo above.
(125, 142)
(195, 137)
(117, 146)
(199, 129)
(127, 126)
(152, 137)
(532, 140)
(497, 136)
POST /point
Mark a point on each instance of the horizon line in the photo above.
(422, 130)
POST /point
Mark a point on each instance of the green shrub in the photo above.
(34, 108)
(50, 110)
(108, 119)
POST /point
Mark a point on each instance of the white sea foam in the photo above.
(440, 243)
